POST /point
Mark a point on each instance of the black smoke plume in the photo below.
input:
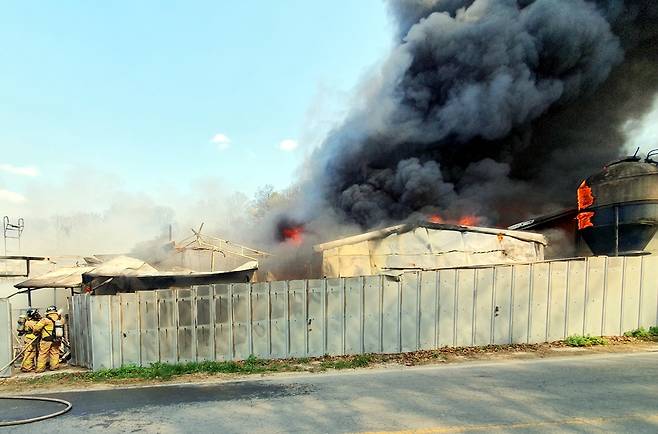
(495, 108)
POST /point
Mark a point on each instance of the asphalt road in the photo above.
(602, 393)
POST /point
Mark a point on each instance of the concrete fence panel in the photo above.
(428, 310)
(648, 309)
(556, 322)
(447, 307)
(502, 312)
(6, 347)
(374, 314)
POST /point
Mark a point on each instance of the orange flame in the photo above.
(435, 218)
(585, 220)
(469, 220)
(585, 196)
(294, 235)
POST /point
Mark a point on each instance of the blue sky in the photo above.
(137, 90)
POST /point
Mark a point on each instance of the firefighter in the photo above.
(49, 329)
(26, 324)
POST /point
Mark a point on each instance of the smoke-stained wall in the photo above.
(495, 108)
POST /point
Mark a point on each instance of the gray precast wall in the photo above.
(6, 338)
(530, 303)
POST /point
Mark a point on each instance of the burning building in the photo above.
(427, 246)
(616, 213)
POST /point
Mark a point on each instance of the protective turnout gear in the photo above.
(49, 329)
(26, 326)
(20, 326)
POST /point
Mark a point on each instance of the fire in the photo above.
(585, 220)
(293, 235)
(585, 200)
(468, 220)
(435, 218)
(585, 196)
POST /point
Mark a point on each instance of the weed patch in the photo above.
(584, 341)
(642, 333)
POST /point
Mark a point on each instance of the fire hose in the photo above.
(67, 407)
(67, 404)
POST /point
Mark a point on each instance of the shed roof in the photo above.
(122, 266)
(65, 277)
(399, 229)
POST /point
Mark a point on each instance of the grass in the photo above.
(360, 361)
(255, 365)
(584, 341)
(642, 333)
(166, 371)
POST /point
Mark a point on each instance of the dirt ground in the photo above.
(27, 383)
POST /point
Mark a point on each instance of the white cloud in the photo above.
(11, 196)
(16, 170)
(222, 141)
(288, 145)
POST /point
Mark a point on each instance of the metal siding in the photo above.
(612, 297)
(596, 282)
(372, 315)
(649, 289)
(465, 307)
(391, 315)
(630, 308)
(502, 301)
(428, 309)
(520, 303)
(447, 307)
(335, 316)
(484, 297)
(576, 297)
(557, 307)
(409, 311)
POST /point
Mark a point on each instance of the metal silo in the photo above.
(618, 207)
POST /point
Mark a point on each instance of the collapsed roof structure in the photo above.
(197, 260)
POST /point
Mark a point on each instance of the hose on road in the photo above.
(67, 405)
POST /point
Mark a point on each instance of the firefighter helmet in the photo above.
(51, 309)
(32, 312)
